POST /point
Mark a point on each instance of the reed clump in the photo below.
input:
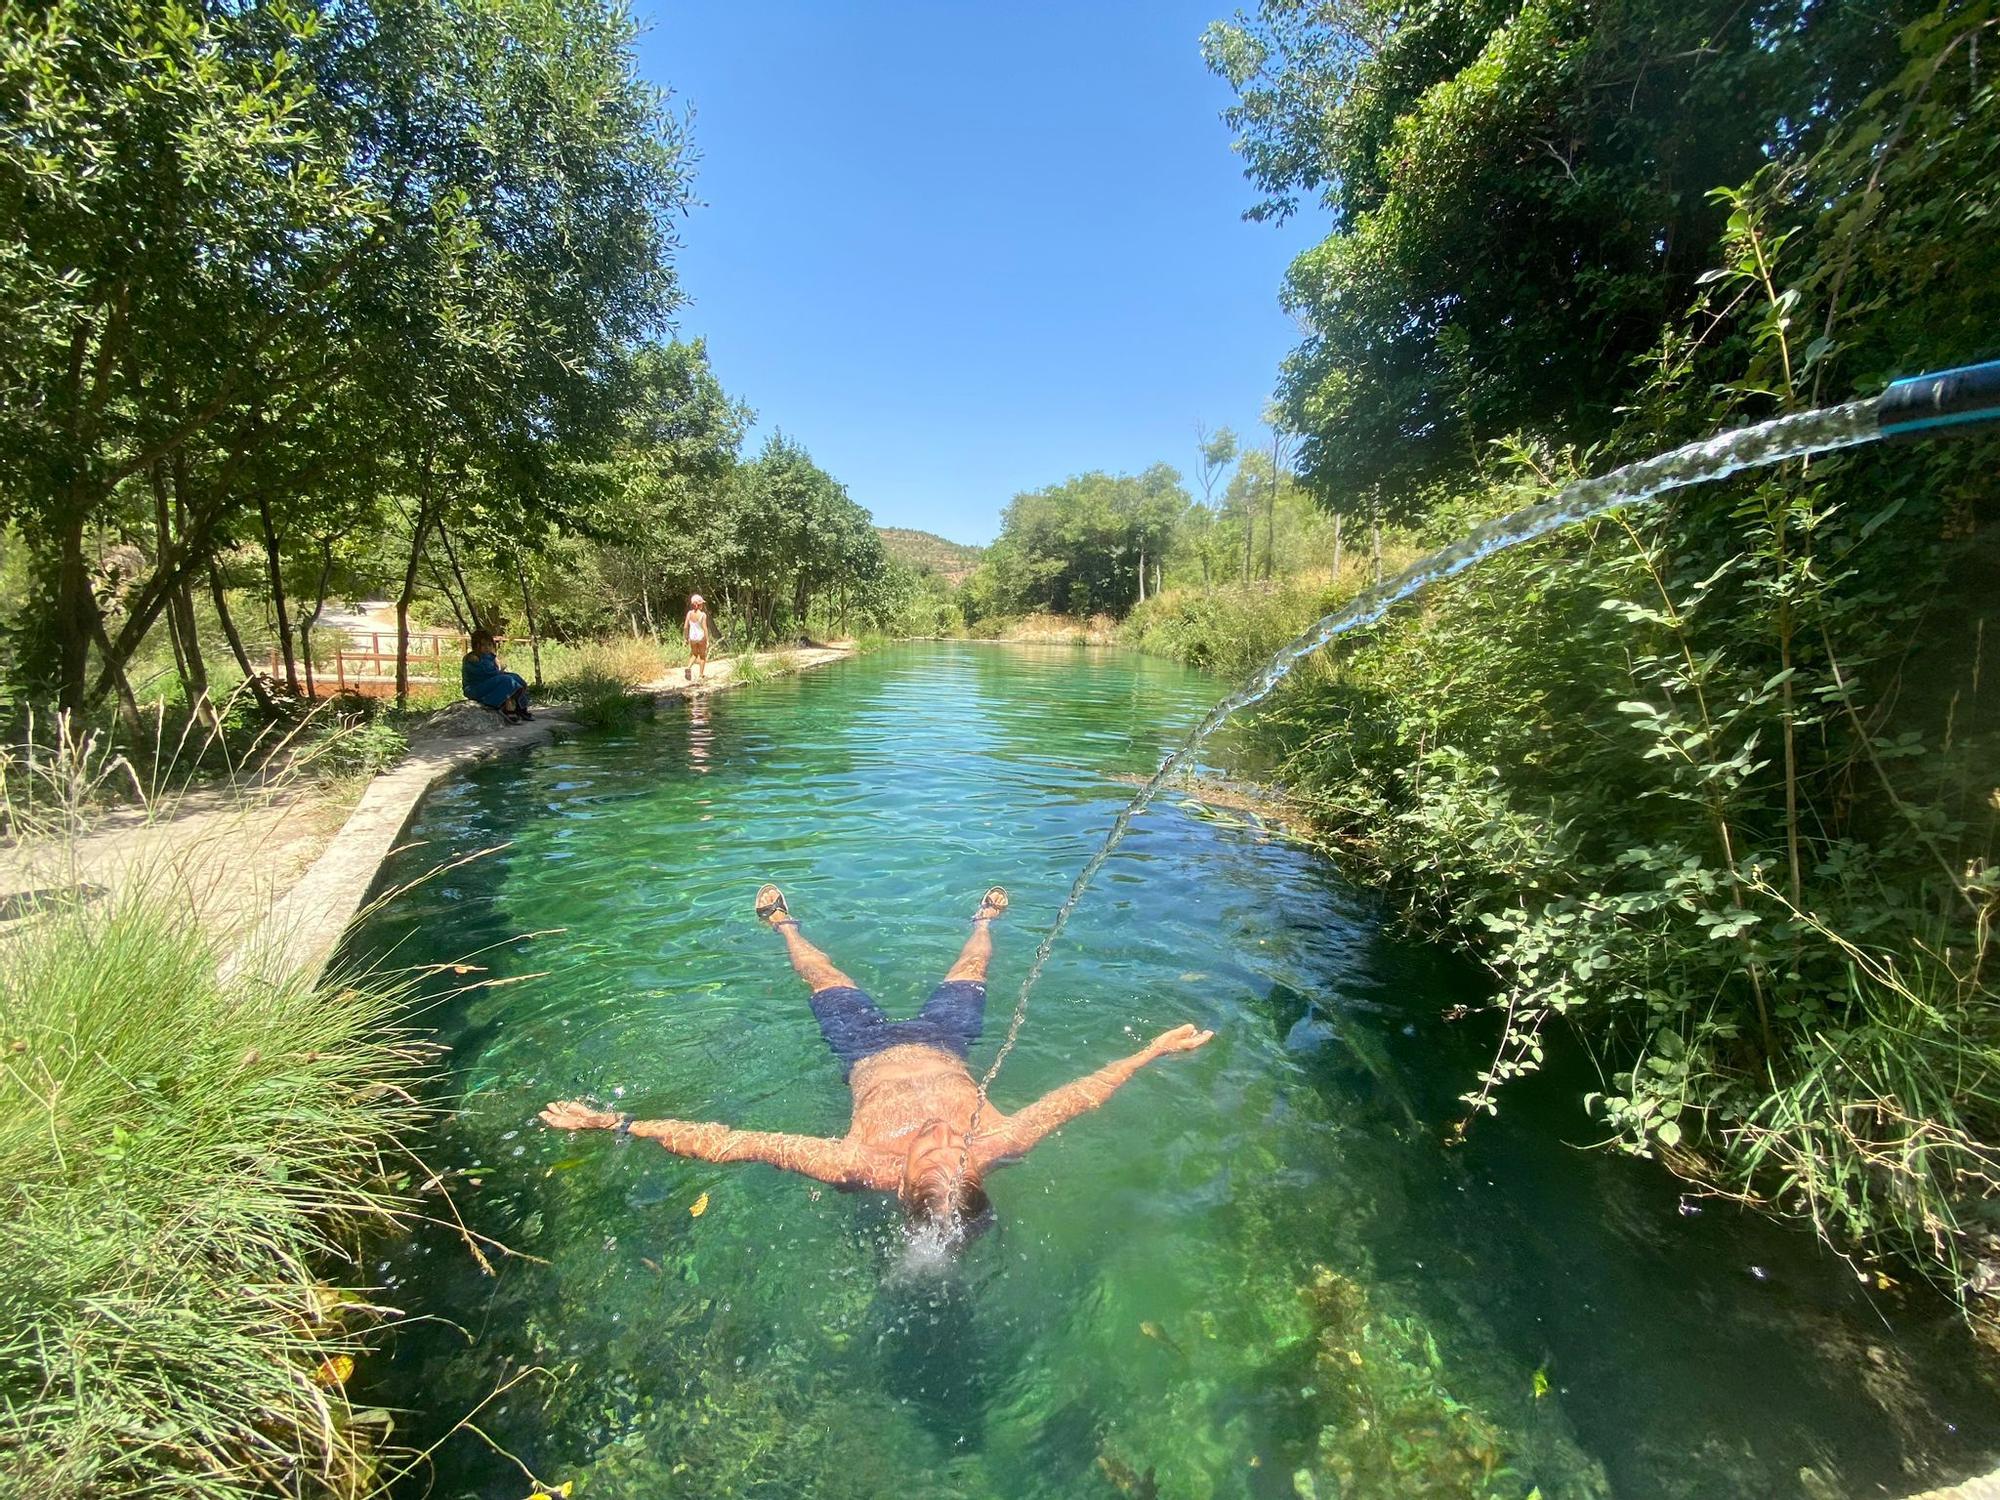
(188, 1164)
(1233, 628)
(603, 680)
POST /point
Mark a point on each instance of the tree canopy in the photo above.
(1519, 193)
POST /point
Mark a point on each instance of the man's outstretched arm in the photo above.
(1057, 1108)
(839, 1162)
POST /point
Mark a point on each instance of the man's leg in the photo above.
(811, 965)
(956, 1010)
(853, 1024)
(978, 949)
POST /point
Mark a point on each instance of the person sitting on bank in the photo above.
(483, 680)
(912, 1132)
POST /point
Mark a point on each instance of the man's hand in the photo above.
(574, 1114)
(1180, 1039)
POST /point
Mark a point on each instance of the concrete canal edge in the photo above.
(303, 929)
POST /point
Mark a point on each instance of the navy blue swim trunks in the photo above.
(854, 1026)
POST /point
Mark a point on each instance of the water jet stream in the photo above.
(1947, 403)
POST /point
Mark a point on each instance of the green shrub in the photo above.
(603, 680)
(187, 1162)
(353, 745)
(1233, 629)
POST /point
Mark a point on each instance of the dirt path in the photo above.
(722, 672)
(222, 852)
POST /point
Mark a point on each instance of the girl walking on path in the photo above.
(696, 630)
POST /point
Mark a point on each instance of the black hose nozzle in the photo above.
(1926, 406)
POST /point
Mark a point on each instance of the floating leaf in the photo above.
(1541, 1384)
(699, 1207)
(335, 1371)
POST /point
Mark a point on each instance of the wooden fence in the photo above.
(370, 669)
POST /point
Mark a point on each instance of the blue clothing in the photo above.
(481, 679)
(854, 1026)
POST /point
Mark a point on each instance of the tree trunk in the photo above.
(417, 534)
(73, 612)
(1249, 538)
(278, 593)
(250, 674)
(164, 534)
(1375, 539)
(444, 587)
(534, 635)
(197, 664)
(310, 619)
(182, 631)
(1336, 549)
(1142, 575)
(128, 703)
(451, 553)
(1271, 532)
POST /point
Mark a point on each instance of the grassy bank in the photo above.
(188, 1164)
(1708, 815)
(1233, 629)
(1046, 629)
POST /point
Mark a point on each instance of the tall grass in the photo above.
(185, 1160)
(1233, 628)
(187, 1163)
(602, 679)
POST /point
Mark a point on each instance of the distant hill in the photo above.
(927, 550)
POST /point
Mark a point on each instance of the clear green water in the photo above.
(1256, 1272)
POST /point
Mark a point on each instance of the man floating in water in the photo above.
(914, 1099)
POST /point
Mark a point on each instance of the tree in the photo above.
(126, 351)
(246, 234)
(1082, 545)
(1519, 196)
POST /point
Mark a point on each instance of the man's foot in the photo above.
(991, 905)
(771, 906)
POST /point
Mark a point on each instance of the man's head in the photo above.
(940, 1189)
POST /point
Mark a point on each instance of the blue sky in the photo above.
(962, 250)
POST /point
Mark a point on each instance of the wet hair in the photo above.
(949, 1203)
(477, 637)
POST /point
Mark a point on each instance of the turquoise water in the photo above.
(1256, 1272)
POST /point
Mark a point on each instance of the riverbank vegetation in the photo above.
(1710, 783)
(191, 1163)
